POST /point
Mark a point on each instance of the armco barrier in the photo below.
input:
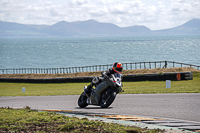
(130, 78)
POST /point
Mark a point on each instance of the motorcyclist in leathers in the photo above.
(117, 68)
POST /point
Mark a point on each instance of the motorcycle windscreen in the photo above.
(117, 76)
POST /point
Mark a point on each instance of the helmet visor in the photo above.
(119, 69)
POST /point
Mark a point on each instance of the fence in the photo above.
(126, 66)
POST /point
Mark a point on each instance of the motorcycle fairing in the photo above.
(95, 95)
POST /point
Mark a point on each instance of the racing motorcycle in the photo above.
(106, 89)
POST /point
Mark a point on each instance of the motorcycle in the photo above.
(106, 89)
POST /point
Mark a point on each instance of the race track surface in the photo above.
(184, 106)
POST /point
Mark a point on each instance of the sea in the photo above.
(77, 52)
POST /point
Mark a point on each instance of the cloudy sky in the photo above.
(155, 14)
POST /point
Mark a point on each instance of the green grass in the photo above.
(15, 89)
(185, 86)
(25, 120)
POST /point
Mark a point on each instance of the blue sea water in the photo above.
(75, 52)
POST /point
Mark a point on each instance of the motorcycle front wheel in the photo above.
(107, 99)
(82, 101)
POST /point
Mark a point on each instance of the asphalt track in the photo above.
(184, 106)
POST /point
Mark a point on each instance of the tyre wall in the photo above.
(175, 76)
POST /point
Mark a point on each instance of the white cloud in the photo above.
(155, 14)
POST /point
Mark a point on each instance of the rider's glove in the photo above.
(95, 80)
(104, 75)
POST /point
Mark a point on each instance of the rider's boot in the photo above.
(89, 89)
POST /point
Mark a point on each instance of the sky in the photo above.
(154, 14)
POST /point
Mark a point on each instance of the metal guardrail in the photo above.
(126, 66)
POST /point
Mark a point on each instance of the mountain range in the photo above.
(91, 28)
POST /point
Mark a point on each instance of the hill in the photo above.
(189, 28)
(91, 28)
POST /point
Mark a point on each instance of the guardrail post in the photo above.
(131, 66)
(150, 65)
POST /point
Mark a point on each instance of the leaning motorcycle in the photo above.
(106, 89)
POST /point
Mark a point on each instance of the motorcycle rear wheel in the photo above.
(106, 101)
(82, 101)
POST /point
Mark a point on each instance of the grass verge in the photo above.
(185, 86)
(26, 120)
(145, 87)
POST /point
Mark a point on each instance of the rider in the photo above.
(117, 68)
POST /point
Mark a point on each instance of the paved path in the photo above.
(175, 106)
